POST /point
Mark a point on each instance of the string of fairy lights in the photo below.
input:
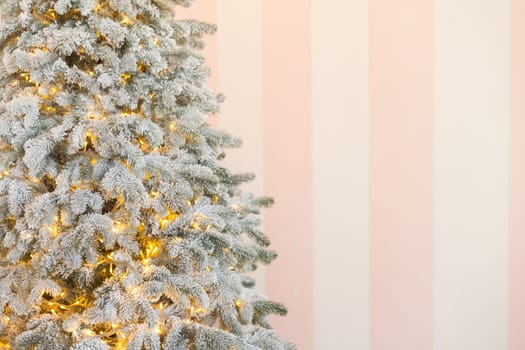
(65, 303)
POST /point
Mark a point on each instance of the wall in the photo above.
(392, 135)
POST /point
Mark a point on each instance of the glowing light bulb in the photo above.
(170, 217)
(88, 332)
(118, 226)
(53, 230)
(141, 67)
(89, 136)
(126, 20)
(51, 14)
(125, 77)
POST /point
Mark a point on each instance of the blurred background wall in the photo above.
(392, 135)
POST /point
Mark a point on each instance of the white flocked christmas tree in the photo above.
(119, 227)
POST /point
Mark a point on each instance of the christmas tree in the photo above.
(119, 227)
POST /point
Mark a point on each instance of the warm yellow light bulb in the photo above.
(151, 250)
(154, 250)
(120, 346)
(126, 20)
(53, 230)
(141, 67)
(88, 332)
(89, 136)
(170, 217)
(125, 77)
(51, 14)
(118, 226)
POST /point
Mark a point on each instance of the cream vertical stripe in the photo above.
(239, 50)
(517, 180)
(471, 174)
(340, 173)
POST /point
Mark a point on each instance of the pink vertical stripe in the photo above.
(517, 176)
(288, 162)
(401, 158)
(206, 10)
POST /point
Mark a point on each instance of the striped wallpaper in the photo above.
(392, 135)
